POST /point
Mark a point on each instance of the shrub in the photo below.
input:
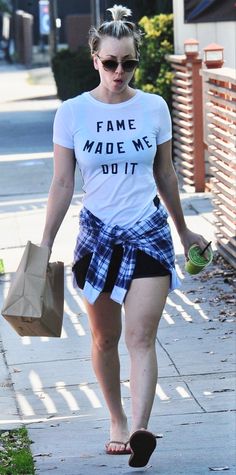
(154, 73)
(73, 72)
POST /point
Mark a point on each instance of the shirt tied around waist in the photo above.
(151, 235)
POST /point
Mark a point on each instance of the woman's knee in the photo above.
(140, 338)
(106, 342)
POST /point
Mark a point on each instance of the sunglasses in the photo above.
(128, 65)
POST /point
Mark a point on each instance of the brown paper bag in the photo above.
(35, 300)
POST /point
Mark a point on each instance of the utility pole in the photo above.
(95, 12)
(53, 28)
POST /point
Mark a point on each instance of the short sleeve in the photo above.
(165, 126)
(63, 126)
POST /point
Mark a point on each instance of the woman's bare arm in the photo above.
(168, 189)
(60, 193)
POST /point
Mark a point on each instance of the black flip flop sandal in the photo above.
(142, 444)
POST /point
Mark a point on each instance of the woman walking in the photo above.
(120, 138)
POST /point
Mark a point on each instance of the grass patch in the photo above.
(15, 454)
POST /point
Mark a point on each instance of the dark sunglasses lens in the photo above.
(129, 65)
(110, 65)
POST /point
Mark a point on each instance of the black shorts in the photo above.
(146, 266)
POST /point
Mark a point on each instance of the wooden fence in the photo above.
(219, 96)
(204, 139)
(188, 145)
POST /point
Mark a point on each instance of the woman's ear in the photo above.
(95, 61)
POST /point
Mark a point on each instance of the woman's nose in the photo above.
(119, 68)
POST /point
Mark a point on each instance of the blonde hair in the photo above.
(118, 28)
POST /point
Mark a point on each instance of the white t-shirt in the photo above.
(115, 146)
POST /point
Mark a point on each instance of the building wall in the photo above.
(223, 33)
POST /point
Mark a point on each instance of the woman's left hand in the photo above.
(188, 238)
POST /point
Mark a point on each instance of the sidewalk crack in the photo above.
(195, 399)
(10, 381)
(166, 352)
(179, 374)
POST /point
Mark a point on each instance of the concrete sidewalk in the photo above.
(48, 384)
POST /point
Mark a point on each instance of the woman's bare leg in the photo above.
(143, 309)
(105, 323)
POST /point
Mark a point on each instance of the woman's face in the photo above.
(119, 50)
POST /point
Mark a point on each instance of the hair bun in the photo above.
(119, 12)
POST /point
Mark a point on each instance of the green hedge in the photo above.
(154, 73)
(73, 72)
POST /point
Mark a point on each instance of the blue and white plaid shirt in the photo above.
(151, 235)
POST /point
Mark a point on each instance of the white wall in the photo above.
(222, 33)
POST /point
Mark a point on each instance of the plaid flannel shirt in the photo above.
(151, 235)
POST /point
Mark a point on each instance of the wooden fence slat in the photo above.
(220, 110)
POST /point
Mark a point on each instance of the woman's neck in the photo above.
(104, 95)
